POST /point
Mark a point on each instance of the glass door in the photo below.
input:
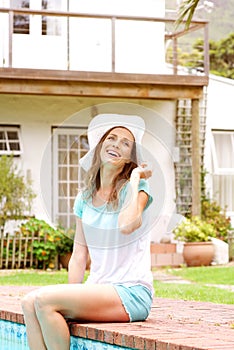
(69, 145)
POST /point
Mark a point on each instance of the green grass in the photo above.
(209, 274)
(197, 290)
(33, 278)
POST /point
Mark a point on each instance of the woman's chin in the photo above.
(116, 162)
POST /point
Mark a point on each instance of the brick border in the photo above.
(172, 325)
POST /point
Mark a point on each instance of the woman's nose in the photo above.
(116, 143)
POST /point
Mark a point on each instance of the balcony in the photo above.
(56, 53)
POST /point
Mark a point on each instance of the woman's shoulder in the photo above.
(143, 186)
(79, 203)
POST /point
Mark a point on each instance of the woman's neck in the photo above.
(107, 176)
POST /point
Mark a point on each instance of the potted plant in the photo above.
(196, 235)
(64, 245)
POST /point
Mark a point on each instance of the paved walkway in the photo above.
(172, 324)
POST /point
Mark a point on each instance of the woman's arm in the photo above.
(77, 263)
(130, 217)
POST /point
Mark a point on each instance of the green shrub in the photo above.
(16, 194)
(50, 241)
(65, 238)
(194, 230)
(213, 214)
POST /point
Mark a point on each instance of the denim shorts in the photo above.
(137, 301)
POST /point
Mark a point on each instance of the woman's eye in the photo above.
(126, 143)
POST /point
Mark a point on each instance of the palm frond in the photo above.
(186, 12)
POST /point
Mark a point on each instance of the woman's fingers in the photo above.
(144, 170)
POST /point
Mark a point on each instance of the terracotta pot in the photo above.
(64, 260)
(198, 253)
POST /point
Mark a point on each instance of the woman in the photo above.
(112, 221)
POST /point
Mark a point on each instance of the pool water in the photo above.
(13, 337)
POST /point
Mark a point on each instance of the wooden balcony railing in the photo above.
(175, 39)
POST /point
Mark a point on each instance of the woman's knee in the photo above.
(42, 302)
(35, 300)
(28, 302)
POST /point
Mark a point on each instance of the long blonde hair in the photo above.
(93, 180)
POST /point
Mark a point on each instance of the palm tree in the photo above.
(186, 12)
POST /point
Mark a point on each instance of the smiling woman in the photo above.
(113, 228)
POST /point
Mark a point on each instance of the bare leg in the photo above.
(33, 328)
(85, 302)
(54, 327)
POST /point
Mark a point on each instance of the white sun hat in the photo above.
(100, 124)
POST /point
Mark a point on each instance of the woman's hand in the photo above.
(143, 171)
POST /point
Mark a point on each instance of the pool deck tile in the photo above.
(172, 324)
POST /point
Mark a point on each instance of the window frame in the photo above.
(8, 151)
(24, 25)
(217, 169)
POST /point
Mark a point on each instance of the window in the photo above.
(48, 25)
(10, 140)
(222, 148)
(51, 25)
(21, 22)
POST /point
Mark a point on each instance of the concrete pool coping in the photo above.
(172, 324)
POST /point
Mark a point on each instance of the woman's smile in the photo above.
(113, 153)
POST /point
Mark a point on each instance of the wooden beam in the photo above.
(106, 84)
(196, 160)
(111, 77)
(121, 90)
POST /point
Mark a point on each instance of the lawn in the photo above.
(32, 277)
(209, 274)
(197, 290)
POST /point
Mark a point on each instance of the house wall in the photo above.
(36, 116)
(87, 44)
(220, 114)
(220, 109)
(139, 45)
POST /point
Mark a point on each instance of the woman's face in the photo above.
(117, 147)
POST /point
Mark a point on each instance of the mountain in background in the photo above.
(221, 22)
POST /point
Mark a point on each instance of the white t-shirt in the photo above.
(116, 258)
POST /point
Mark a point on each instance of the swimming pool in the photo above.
(13, 337)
